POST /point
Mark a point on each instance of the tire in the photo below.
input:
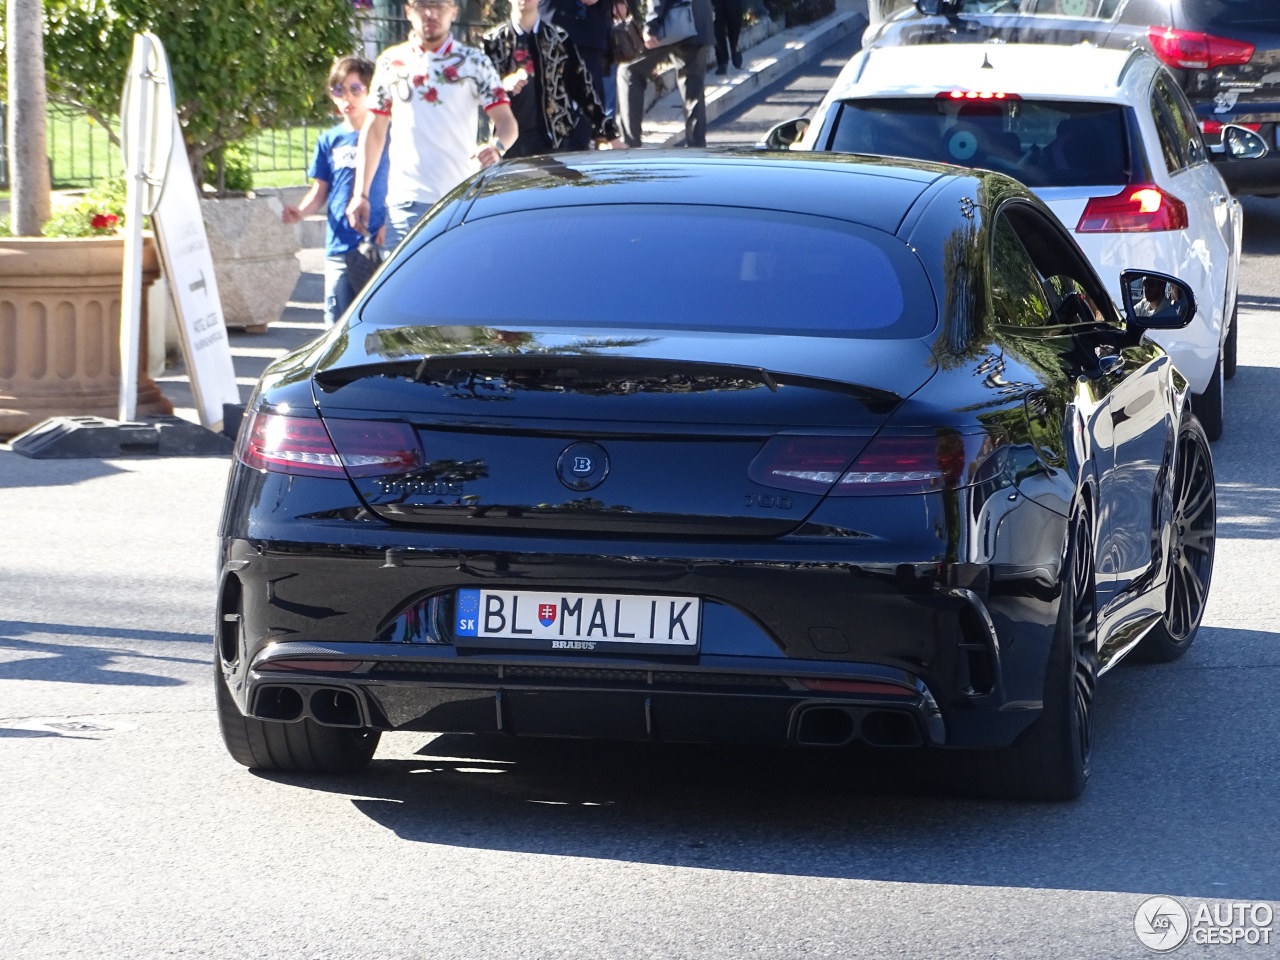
(1231, 348)
(300, 747)
(1190, 561)
(1053, 759)
(1208, 405)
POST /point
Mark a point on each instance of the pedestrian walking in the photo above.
(690, 55)
(728, 14)
(333, 177)
(426, 96)
(553, 96)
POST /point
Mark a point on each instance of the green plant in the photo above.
(238, 66)
(229, 168)
(100, 212)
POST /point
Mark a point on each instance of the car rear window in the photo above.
(648, 266)
(1043, 143)
(1233, 13)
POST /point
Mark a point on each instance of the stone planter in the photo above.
(60, 330)
(254, 258)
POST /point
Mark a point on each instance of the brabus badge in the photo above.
(582, 465)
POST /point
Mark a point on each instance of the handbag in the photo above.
(361, 263)
(626, 40)
(678, 24)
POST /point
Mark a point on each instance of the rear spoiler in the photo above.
(452, 368)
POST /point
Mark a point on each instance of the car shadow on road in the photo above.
(18, 472)
(1184, 764)
(25, 658)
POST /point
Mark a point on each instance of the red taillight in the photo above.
(1189, 50)
(803, 464)
(278, 443)
(977, 95)
(905, 465)
(301, 446)
(856, 686)
(1213, 127)
(1142, 208)
(371, 448)
(888, 464)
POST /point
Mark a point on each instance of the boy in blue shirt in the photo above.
(332, 173)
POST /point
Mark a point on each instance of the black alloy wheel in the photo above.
(1193, 536)
(303, 746)
(1054, 758)
(1084, 643)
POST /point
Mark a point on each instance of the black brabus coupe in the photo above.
(718, 448)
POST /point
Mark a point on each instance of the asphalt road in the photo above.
(127, 831)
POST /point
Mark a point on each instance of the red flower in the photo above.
(104, 221)
(520, 56)
(419, 81)
(450, 74)
(432, 95)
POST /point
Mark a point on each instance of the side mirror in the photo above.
(940, 8)
(785, 135)
(1156, 301)
(1242, 143)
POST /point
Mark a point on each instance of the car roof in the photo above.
(880, 190)
(1079, 72)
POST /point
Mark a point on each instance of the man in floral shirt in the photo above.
(428, 92)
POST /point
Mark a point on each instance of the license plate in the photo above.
(577, 621)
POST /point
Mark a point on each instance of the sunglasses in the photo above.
(352, 89)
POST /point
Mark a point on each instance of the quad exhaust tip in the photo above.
(835, 726)
(330, 706)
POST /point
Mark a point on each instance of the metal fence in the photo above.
(80, 150)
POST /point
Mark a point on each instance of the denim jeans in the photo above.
(337, 289)
(611, 93)
(401, 218)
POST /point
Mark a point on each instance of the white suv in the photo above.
(1105, 137)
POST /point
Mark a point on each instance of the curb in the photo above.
(774, 59)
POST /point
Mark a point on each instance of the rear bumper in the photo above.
(721, 701)
(952, 654)
(947, 602)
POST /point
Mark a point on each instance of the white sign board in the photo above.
(179, 226)
(146, 109)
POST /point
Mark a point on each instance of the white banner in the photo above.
(156, 158)
(179, 226)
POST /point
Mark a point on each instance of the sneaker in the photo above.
(737, 60)
(722, 69)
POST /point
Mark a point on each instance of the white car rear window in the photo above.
(1041, 143)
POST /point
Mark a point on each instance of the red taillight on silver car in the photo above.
(1140, 208)
(1190, 50)
(305, 446)
(918, 463)
(1212, 128)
